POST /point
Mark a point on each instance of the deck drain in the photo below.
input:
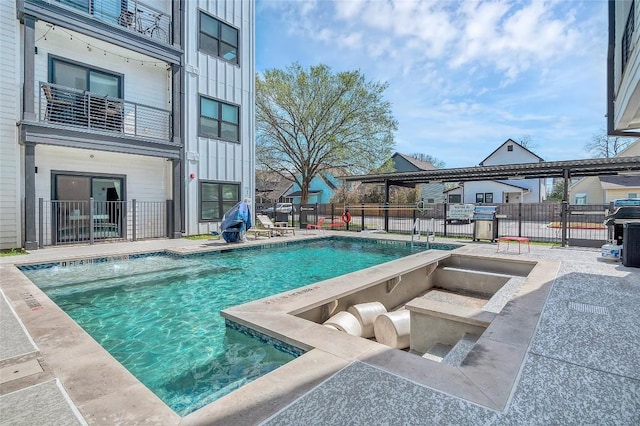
(590, 309)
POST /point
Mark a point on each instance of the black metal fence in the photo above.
(552, 222)
(73, 222)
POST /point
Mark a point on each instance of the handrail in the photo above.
(65, 106)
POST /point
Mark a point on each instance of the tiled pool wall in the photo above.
(119, 258)
(278, 344)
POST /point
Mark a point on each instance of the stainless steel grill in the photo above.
(485, 223)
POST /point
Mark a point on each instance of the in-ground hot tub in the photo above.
(471, 319)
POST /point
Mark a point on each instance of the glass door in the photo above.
(73, 219)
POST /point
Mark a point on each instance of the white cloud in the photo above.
(466, 75)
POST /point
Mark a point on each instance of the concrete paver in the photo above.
(580, 368)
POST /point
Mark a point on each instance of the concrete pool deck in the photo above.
(581, 366)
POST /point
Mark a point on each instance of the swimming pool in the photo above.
(158, 314)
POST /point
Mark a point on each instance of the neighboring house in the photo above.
(604, 189)
(271, 187)
(505, 191)
(429, 192)
(623, 62)
(113, 105)
(321, 189)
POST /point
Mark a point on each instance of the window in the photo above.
(509, 147)
(488, 197)
(218, 39)
(479, 197)
(632, 195)
(219, 120)
(627, 37)
(82, 77)
(455, 198)
(216, 198)
(581, 199)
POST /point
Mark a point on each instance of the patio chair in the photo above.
(278, 228)
(317, 225)
(57, 109)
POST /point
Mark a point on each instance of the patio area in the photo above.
(581, 366)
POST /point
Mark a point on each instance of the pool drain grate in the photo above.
(590, 309)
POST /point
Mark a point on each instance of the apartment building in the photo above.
(123, 119)
(623, 62)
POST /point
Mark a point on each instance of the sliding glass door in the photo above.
(76, 219)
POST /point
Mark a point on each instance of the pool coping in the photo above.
(497, 357)
(103, 390)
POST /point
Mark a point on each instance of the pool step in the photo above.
(437, 352)
(460, 350)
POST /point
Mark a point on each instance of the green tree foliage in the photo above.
(557, 192)
(312, 120)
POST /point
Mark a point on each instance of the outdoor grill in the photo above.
(623, 211)
(625, 220)
(485, 223)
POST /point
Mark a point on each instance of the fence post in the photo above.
(386, 217)
(333, 212)
(91, 212)
(133, 219)
(520, 219)
(564, 217)
(361, 218)
(169, 224)
(40, 222)
(444, 215)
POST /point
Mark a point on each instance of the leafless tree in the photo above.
(605, 146)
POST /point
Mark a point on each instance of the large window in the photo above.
(488, 197)
(216, 198)
(479, 197)
(218, 39)
(81, 77)
(219, 120)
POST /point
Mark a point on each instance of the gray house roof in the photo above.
(620, 181)
(406, 163)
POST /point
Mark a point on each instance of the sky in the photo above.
(464, 76)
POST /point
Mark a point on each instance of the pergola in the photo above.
(540, 170)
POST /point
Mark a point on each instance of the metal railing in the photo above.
(90, 221)
(65, 106)
(133, 15)
(551, 222)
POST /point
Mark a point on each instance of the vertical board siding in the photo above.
(213, 77)
(10, 234)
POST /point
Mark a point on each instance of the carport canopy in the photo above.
(540, 170)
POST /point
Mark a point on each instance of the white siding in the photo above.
(10, 205)
(207, 75)
(146, 80)
(504, 156)
(146, 177)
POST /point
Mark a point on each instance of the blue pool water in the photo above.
(159, 315)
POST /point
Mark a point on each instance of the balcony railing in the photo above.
(133, 15)
(81, 109)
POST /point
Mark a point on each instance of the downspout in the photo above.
(611, 54)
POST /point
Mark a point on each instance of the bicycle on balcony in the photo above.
(138, 22)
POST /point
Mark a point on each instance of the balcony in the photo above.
(133, 15)
(77, 109)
